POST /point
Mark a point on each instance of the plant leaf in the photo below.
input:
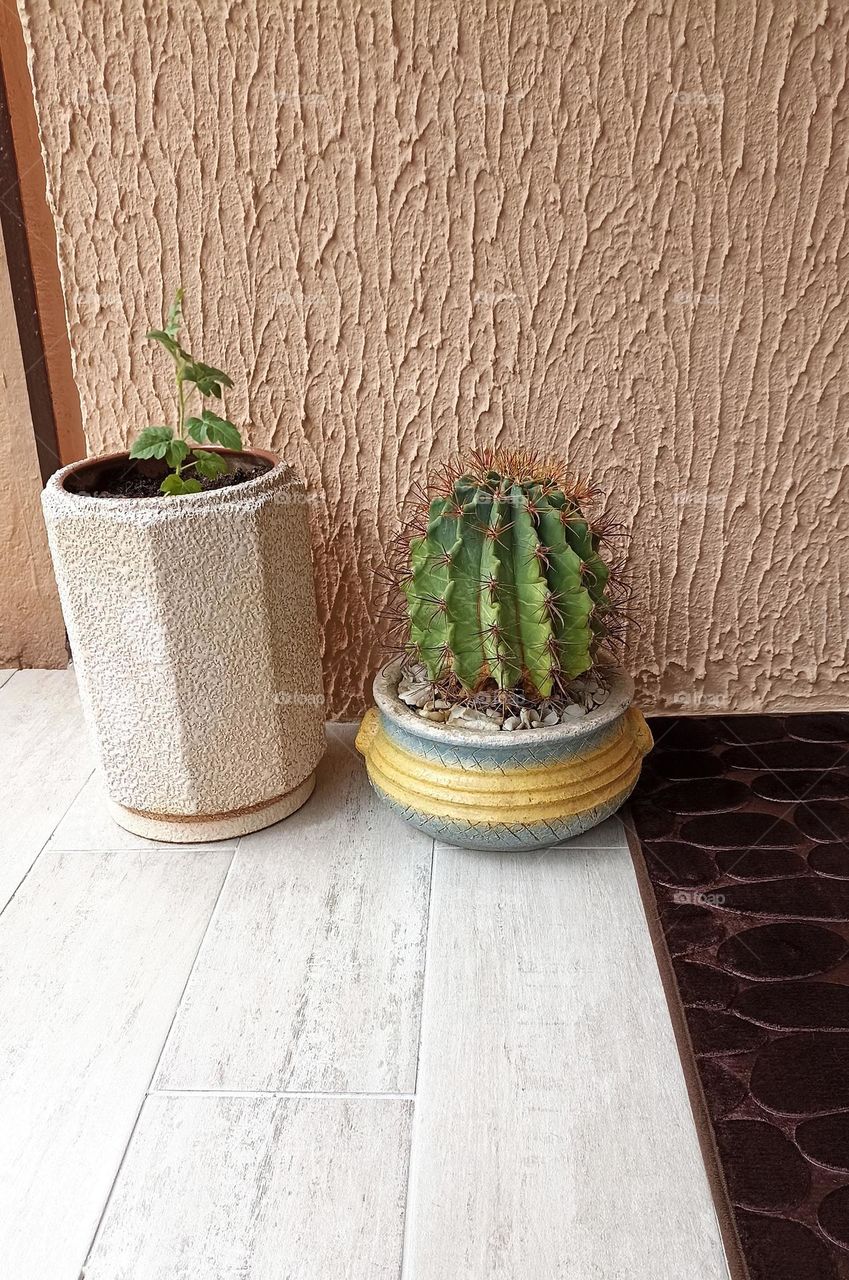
(220, 431)
(206, 377)
(196, 428)
(205, 384)
(164, 339)
(175, 315)
(209, 464)
(176, 486)
(176, 452)
(210, 371)
(208, 380)
(153, 442)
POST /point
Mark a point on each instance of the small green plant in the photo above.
(503, 579)
(173, 443)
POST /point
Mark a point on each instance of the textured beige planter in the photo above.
(193, 631)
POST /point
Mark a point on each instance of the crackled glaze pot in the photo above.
(497, 790)
(193, 631)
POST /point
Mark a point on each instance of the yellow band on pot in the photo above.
(557, 791)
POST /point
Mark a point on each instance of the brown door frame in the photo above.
(23, 297)
(30, 238)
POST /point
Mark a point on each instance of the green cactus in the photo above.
(505, 583)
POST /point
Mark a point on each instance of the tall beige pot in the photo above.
(193, 631)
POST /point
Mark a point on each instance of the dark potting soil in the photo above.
(130, 483)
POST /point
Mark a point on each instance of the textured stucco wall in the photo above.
(32, 633)
(618, 230)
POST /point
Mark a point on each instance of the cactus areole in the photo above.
(504, 580)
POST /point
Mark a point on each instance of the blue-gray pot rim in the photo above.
(385, 689)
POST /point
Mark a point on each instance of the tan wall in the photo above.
(32, 633)
(410, 228)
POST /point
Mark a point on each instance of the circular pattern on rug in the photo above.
(784, 755)
(749, 729)
(833, 1216)
(830, 860)
(805, 897)
(703, 796)
(785, 949)
(825, 1140)
(685, 766)
(680, 865)
(823, 820)
(767, 1006)
(761, 864)
(740, 831)
(763, 1169)
(702, 984)
(653, 823)
(825, 726)
(802, 1075)
(716, 1032)
(684, 734)
(782, 1249)
(688, 927)
(724, 1091)
(804, 784)
(796, 1006)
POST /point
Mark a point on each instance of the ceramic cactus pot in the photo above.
(498, 790)
(193, 631)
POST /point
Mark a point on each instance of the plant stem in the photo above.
(181, 413)
(181, 405)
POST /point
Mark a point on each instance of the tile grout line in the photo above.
(145, 1095)
(406, 1228)
(149, 846)
(575, 848)
(409, 1199)
(424, 966)
(195, 958)
(336, 1096)
(74, 798)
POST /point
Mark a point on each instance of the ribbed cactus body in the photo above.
(506, 585)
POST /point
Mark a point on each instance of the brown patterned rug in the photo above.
(740, 833)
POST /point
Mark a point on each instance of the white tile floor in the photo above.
(327, 1051)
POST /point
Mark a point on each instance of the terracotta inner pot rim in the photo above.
(385, 695)
(278, 470)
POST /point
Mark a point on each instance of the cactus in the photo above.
(504, 581)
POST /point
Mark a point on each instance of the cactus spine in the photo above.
(505, 582)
